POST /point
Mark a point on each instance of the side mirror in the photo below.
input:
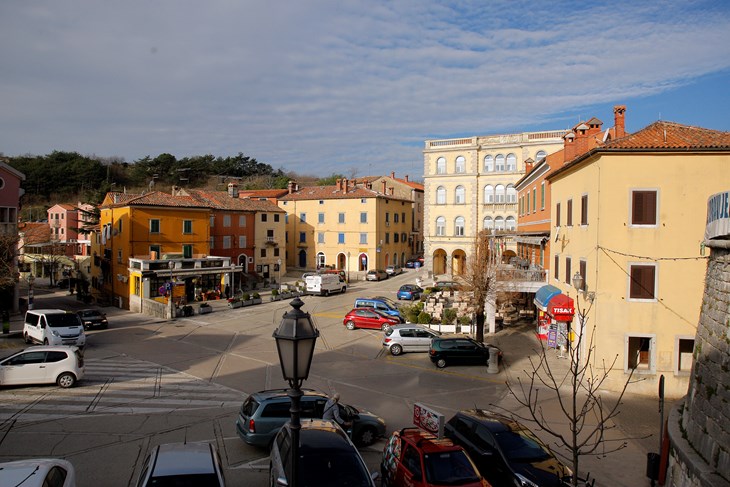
(281, 481)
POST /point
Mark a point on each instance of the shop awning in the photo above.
(531, 240)
(561, 308)
(544, 295)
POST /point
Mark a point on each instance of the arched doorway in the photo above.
(387, 260)
(321, 261)
(439, 262)
(507, 255)
(458, 262)
(303, 259)
(362, 262)
(341, 261)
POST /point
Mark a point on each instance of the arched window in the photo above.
(460, 164)
(489, 163)
(488, 223)
(541, 154)
(499, 165)
(511, 162)
(459, 226)
(489, 193)
(440, 226)
(499, 223)
(441, 165)
(499, 193)
(511, 194)
(510, 223)
(460, 195)
(440, 195)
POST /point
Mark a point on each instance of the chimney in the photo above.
(383, 186)
(344, 185)
(291, 186)
(619, 121)
(406, 178)
(392, 174)
(233, 190)
(528, 165)
(339, 184)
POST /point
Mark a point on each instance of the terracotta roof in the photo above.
(35, 232)
(221, 200)
(331, 192)
(671, 135)
(156, 198)
(262, 193)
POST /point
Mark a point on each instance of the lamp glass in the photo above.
(578, 281)
(295, 341)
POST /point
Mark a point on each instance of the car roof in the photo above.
(319, 434)
(404, 326)
(494, 422)
(50, 348)
(277, 393)
(16, 472)
(428, 442)
(183, 458)
(47, 311)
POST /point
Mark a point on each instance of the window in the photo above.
(499, 223)
(489, 163)
(556, 264)
(510, 223)
(557, 215)
(241, 241)
(459, 195)
(568, 276)
(527, 201)
(187, 251)
(459, 226)
(440, 195)
(363, 217)
(489, 193)
(341, 218)
(340, 238)
(387, 237)
(685, 347)
(241, 220)
(262, 253)
(264, 217)
(320, 218)
(488, 223)
(387, 217)
(226, 220)
(640, 351)
(643, 207)
(320, 237)
(499, 193)
(460, 164)
(440, 226)
(156, 249)
(276, 217)
(584, 209)
(541, 154)
(403, 217)
(511, 194)
(212, 242)
(396, 237)
(155, 226)
(303, 217)
(226, 241)
(542, 196)
(511, 162)
(643, 281)
(440, 165)
(499, 163)
(119, 256)
(363, 238)
(321, 202)
(582, 272)
(187, 227)
(569, 214)
(302, 237)
(534, 200)
(395, 217)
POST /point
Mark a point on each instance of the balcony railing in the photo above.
(512, 274)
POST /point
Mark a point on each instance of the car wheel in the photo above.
(441, 363)
(396, 349)
(26, 338)
(350, 325)
(366, 436)
(66, 380)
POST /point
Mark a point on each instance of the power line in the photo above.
(646, 257)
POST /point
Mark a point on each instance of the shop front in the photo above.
(555, 315)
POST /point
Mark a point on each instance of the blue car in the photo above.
(410, 292)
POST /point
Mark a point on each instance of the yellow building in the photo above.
(348, 226)
(469, 185)
(629, 216)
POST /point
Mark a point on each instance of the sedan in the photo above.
(376, 275)
(410, 292)
(92, 318)
(408, 338)
(369, 318)
(460, 350)
(393, 270)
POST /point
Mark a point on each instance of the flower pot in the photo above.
(205, 310)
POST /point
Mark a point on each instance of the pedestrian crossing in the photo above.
(113, 386)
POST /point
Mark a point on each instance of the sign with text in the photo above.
(429, 420)
(718, 216)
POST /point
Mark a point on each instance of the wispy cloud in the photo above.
(323, 86)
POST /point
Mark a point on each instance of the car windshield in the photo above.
(90, 314)
(521, 446)
(62, 320)
(328, 468)
(388, 301)
(449, 468)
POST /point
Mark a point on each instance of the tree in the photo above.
(8, 270)
(588, 415)
(480, 278)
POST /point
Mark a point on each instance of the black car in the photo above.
(505, 451)
(459, 350)
(92, 318)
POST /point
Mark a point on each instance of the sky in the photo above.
(322, 87)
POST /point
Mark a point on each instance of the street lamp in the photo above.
(170, 304)
(579, 285)
(348, 267)
(278, 262)
(295, 340)
(31, 280)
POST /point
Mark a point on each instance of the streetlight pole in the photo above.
(579, 285)
(278, 262)
(348, 267)
(170, 304)
(295, 341)
(31, 280)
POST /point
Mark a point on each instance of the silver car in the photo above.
(182, 464)
(408, 338)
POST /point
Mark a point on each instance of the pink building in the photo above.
(10, 193)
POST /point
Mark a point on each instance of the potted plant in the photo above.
(256, 297)
(275, 295)
(234, 302)
(205, 308)
(246, 298)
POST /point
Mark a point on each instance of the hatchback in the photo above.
(505, 451)
(376, 275)
(410, 292)
(43, 364)
(393, 270)
(182, 465)
(369, 318)
(93, 318)
(38, 472)
(459, 350)
(327, 457)
(413, 457)
(408, 338)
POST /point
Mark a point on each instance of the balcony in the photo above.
(271, 242)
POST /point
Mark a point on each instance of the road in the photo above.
(150, 381)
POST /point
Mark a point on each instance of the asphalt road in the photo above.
(151, 381)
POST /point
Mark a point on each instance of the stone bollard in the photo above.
(493, 362)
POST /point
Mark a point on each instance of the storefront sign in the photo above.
(718, 215)
(428, 420)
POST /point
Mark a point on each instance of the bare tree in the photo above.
(480, 278)
(588, 415)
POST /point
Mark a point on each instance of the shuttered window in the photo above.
(584, 210)
(567, 270)
(643, 280)
(557, 215)
(557, 267)
(569, 216)
(643, 207)
(583, 274)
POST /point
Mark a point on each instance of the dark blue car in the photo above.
(410, 292)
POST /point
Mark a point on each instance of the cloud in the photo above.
(320, 86)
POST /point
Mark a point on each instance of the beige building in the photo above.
(469, 185)
(629, 216)
(348, 226)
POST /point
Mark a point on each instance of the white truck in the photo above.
(325, 284)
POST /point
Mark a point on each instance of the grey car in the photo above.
(263, 414)
(408, 338)
(182, 464)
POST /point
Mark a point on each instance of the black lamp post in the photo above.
(295, 341)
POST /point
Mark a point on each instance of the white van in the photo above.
(53, 327)
(324, 284)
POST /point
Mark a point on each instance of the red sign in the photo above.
(561, 308)
(428, 419)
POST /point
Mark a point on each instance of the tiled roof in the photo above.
(331, 192)
(157, 198)
(35, 232)
(670, 135)
(262, 193)
(221, 200)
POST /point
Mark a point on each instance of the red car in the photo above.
(369, 318)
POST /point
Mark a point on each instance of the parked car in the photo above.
(380, 303)
(43, 364)
(447, 285)
(411, 263)
(410, 292)
(327, 458)
(376, 275)
(38, 472)
(93, 318)
(408, 338)
(263, 413)
(459, 350)
(53, 327)
(393, 270)
(369, 318)
(63, 283)
(182, 464)
(505, 451)
(413, 457)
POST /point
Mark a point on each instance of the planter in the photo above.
(205, 310)
(247, 302)
(235, 304)
(257, 300)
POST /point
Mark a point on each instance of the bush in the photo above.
(448, 316)
(411, 312)
(274, 292)
(256, 296)
(246, 296)
(424, 318)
